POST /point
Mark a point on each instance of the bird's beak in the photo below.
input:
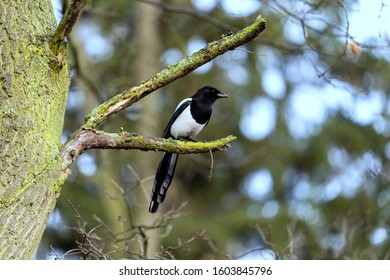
(222, 95)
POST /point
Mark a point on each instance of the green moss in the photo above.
(33, 122)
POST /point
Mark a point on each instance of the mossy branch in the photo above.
(173, 72)
(86, 137)
(66, 25)
(84, 140)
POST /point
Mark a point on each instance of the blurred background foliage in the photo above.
(308, 177)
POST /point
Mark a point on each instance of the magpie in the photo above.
(189, 118)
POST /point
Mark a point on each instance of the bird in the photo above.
(189, 118)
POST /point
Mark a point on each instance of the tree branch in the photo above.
(87, 138)
(84, 140)
(66, 24)
(173, 72)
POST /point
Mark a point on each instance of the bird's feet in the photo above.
(186, 139)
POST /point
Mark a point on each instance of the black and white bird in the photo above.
(189, 118)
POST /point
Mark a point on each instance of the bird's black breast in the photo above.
(201, 112)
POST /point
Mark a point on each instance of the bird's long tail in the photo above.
(163, 179)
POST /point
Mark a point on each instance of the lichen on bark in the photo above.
(32, 106)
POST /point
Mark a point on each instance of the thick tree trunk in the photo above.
(32, 104)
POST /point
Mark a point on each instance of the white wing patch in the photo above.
(184, 100)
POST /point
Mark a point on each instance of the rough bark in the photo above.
(32, 105)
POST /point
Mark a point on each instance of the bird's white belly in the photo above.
(185, 126)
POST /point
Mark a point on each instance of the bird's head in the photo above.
(209, 93)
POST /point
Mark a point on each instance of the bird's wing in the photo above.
(179, 109)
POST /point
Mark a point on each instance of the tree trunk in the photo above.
(32, 105)
(148, 38)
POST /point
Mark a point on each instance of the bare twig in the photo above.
(211, 165)
(66, 25)
(190, 12)
(88, 246)
(202, 236)
(219, 24)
